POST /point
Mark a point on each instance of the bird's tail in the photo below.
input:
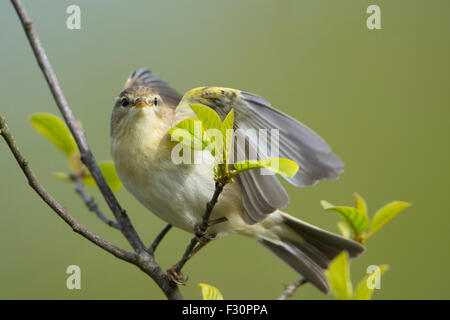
(306, 248)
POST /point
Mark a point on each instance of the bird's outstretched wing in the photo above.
(145, 78)
(263, 194)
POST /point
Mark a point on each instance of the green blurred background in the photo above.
(380, 98)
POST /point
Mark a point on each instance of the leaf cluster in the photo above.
(57, 132)
(357, 225)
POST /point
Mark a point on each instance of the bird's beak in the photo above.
(141, 102)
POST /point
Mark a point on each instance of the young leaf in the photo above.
(210, 119)
(62, 176)
(191, 133)
(109, 172)
(338, 274)
(282, 166)
(213, 135)
(229, 121)
(386, 214)
(227, 131)
(345, 229)
(213, 139)
(55, 130)
(363, 292)
(75, 163)
(210, 292)
(360, 203)
(358, 220)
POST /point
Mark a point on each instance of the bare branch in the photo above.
(290, 289)
(210, 205)
(86, 155)
(158, 239)
(141, 258)
(92, 205)
(59, 209)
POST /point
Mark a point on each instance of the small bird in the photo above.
(141, 148)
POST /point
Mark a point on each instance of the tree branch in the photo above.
(141, 258)
(86, 155)
(158, 239)
(92, 205)
(59, 209)
(290, 289)
(210, 205)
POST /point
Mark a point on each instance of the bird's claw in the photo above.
(176, 277)
(202, 236)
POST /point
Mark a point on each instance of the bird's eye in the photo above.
(124, 102)
(155, 101)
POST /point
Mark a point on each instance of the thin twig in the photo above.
(158, 239)
(290, 289)
(144, 261)
(92, 205)
(210, 205)
(186, 256)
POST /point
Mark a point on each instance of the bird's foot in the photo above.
(176, 277)
(202, 236)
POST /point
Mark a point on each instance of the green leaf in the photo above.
(62, 176)
(109, 172)
(227, 127)
(358, 220)
(278, 165)
(363, 292)
(209, 292)
(55, 130)
(189, 132)
(345, 229)
(386, 214)
(338, 274)
(75, 163)
(213, 134)
(210, 119)
(360, 203)
(228, 123)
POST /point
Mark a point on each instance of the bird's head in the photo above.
(135, 104)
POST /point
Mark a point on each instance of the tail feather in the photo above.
(311, 251)
(327, 242)
(300, 261)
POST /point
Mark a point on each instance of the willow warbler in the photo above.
(141, 148)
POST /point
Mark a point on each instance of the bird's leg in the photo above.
(200, 246)
(201, 234)
(216, 221)
(174, 273)
(175, 276)
(201, 238)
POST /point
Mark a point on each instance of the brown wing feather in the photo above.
(264, 194)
